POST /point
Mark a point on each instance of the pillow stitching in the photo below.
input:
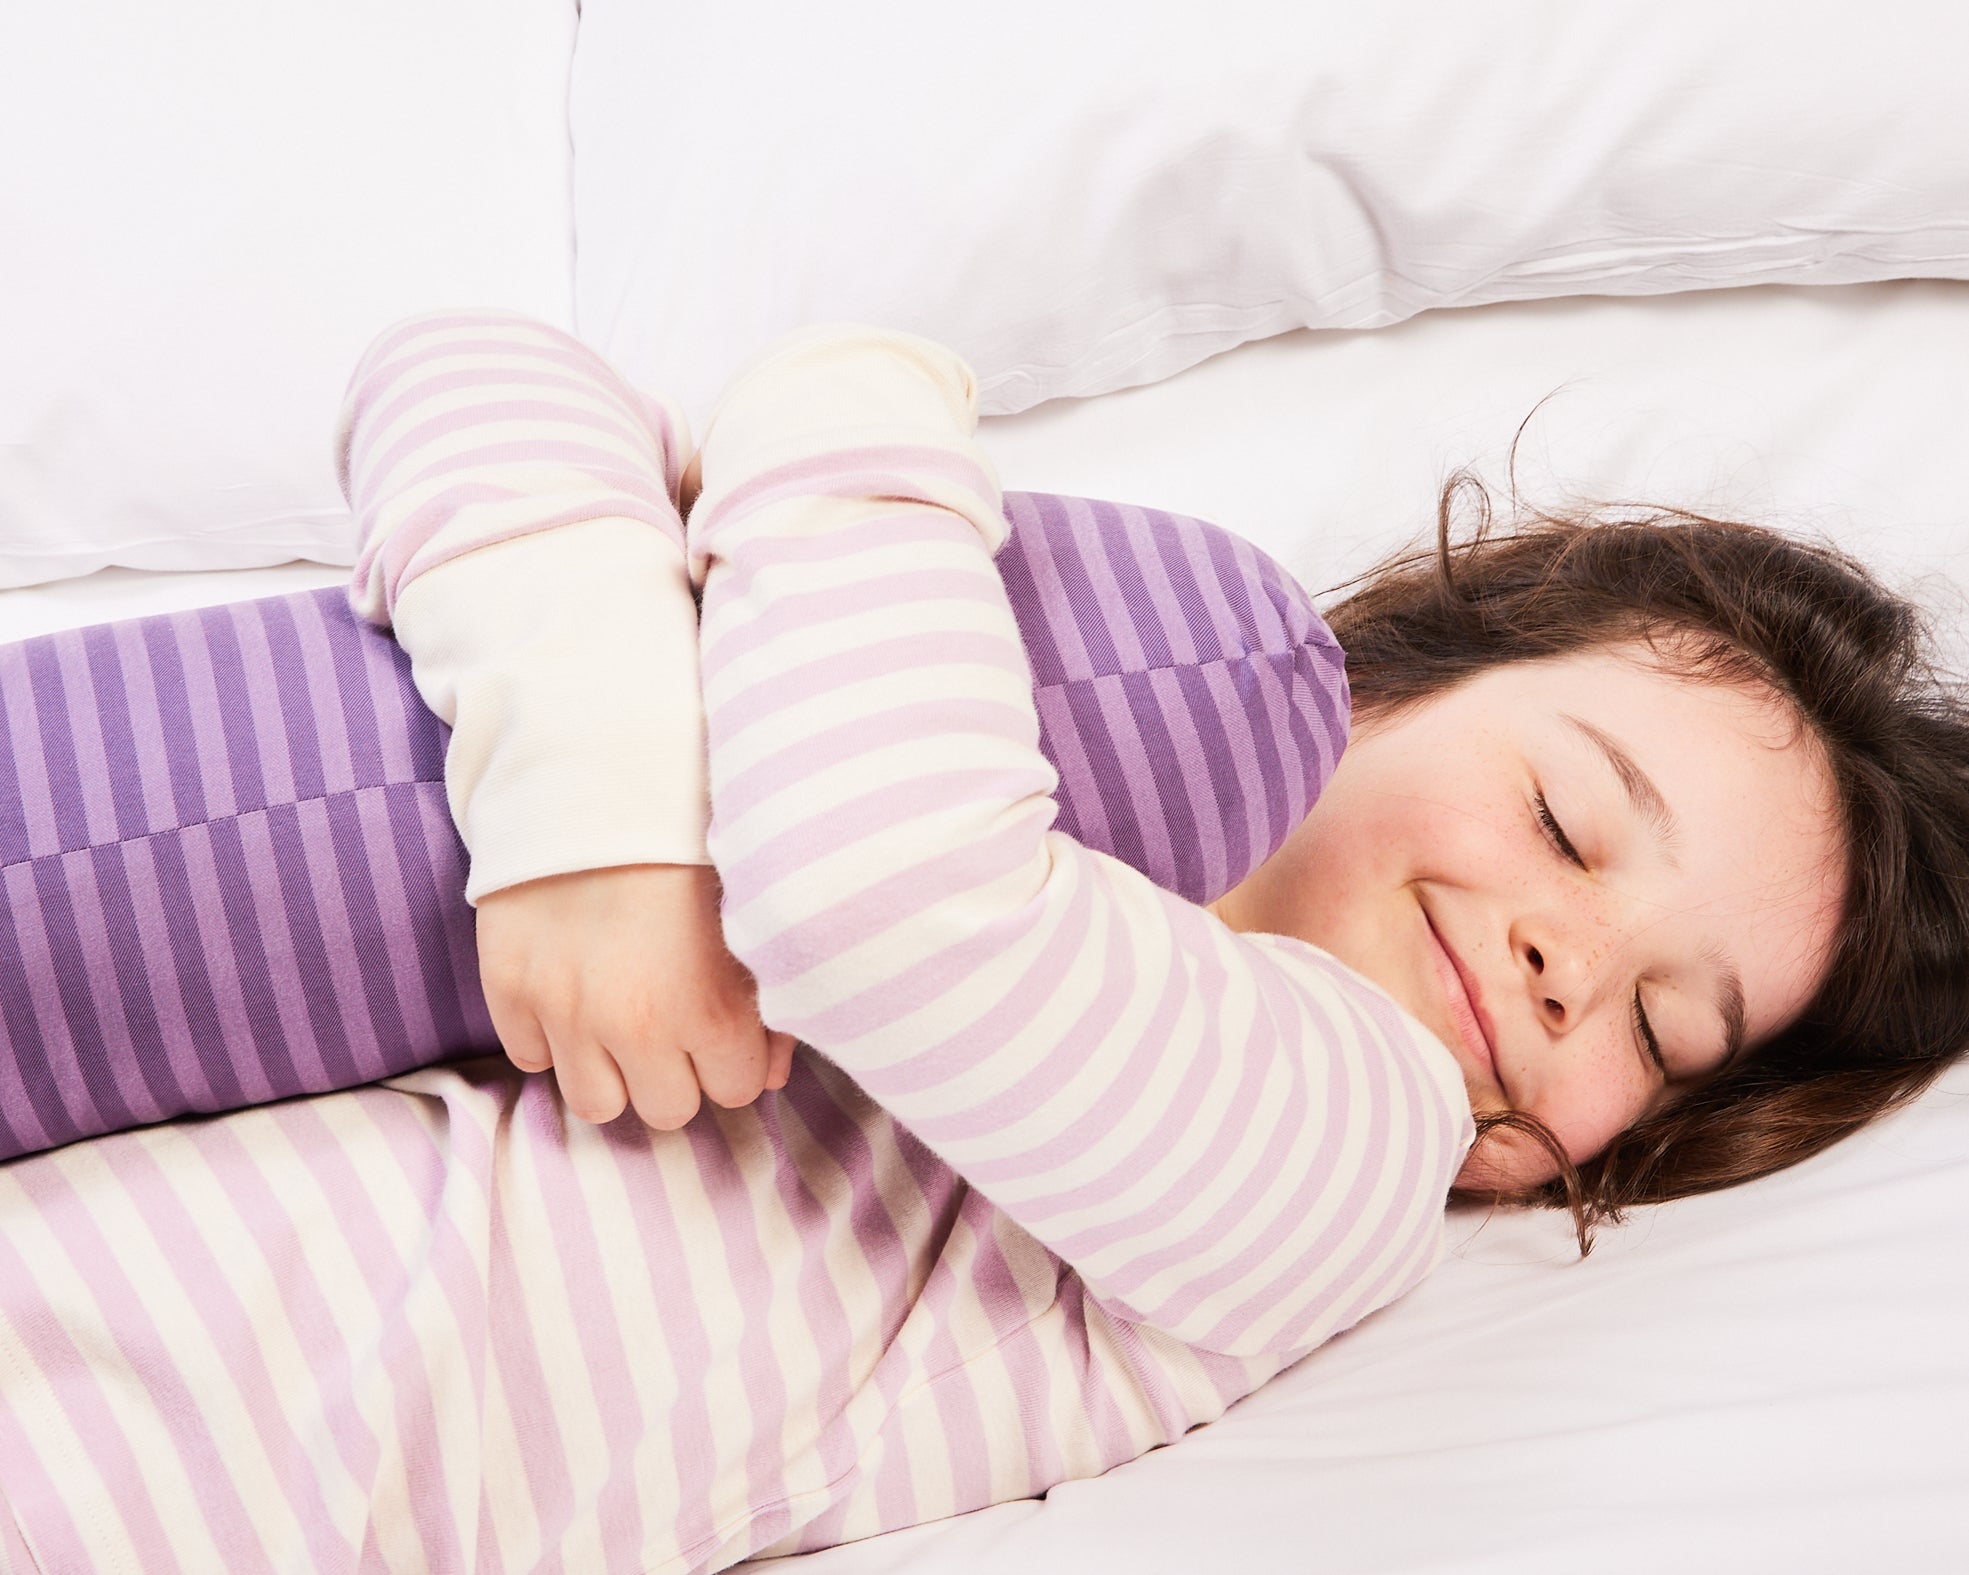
(1215, 661)
(216, 820)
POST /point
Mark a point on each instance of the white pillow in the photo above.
(207, 210)
(1083, 195)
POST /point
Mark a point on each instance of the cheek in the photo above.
(1583, 1120)
(1398, 809)
(1589, 1099)
(1385, 827)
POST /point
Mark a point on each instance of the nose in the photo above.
(1557, 974)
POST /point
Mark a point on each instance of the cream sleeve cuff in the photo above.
(565, 662)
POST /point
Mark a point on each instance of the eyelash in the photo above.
(1559, 840)
(1648, 1035)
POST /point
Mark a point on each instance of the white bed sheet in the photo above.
(1774, 1378)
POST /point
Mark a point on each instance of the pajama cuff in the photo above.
(565, 662)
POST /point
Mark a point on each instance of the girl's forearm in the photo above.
(517, 528)
(1233, 1139)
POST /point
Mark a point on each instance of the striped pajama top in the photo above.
(1072, 1168)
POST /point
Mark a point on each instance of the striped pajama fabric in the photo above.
(1233, 1139)
(437, 1325)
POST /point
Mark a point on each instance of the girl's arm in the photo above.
(1232, 1138)
(558, 637)
(517, 521)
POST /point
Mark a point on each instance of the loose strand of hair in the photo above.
(1587, 1211)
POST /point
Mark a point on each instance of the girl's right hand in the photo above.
(620, 980)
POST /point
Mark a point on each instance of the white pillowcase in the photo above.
(1083, 195)
(207, 211)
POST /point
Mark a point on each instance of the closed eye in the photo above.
(1646, 1030)
(1555, 833)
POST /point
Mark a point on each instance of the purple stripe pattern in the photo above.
(1066, 1168)
(1155, 641)
(231, 876)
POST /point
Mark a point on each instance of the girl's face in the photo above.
(1540, 861)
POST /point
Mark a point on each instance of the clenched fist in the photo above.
(620, 981)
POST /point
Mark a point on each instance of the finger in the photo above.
(591, 1084)
(780, 1066)
(732, 1070)
(662, 1086)
(520, 1035)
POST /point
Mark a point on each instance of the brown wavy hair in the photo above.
(1740, 605)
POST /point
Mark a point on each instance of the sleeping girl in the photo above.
(1639, 876)
(1619, 805)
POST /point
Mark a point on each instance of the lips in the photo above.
(1465, 1008)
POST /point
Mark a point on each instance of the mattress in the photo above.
(1771, 1378)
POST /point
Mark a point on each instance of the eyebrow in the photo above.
(1653, 808)
(1640, 787)
(1729, 1004)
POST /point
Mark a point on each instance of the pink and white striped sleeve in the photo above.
(517, 525)
(1231, 1138)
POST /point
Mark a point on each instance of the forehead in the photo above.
(1708, 729)
(1760, 864)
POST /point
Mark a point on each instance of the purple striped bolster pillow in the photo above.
(231, 875)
